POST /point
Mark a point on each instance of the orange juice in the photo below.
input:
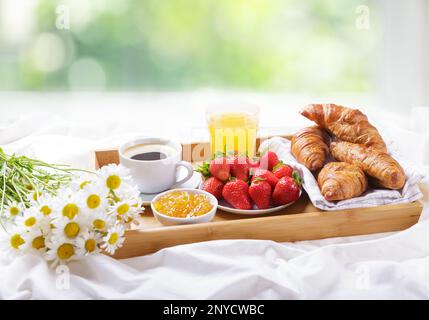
(233, 132)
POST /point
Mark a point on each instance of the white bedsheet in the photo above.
(392, 265)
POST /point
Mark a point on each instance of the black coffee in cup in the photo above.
(149, 152)
(149, 156)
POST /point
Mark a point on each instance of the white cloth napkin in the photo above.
(371, 198)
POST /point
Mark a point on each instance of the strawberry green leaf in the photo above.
(258, 179)
(204, 170)
(278, 165)
(297, 178)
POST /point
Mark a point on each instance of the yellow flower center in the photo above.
(14, 211)
(45, 210)
(99, 224)
(70, 210)
(38, 242)
(113, 182)
(113, 238)
(65, 251)
(71, 229)
(29, 222)
(83, 184)
(129, 220)
(123, 208)
(93, 201)
(16, 241)
(90, 245)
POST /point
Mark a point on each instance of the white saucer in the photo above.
(192, 183)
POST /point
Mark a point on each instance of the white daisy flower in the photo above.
(82, 181)
(94, 197)
(70, 206)
(31, 218)
(69, 228)
(48, 209)
(65, 193)
(60, 250)
(127, 210)
(127, 191)
(46, 205)
(34, 196)
(85, 217)
(114, 239)
(125, 207)
(46, 225)
(88, 243)
(114, 176)
(13, 209)
(131, 219)
(34, 241)
(12, 243)
(100, 221)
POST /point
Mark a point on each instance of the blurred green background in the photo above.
(131, 45)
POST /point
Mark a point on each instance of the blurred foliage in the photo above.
(283, 45)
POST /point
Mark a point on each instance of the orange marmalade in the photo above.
(183, 204)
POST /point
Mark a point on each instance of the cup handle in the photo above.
(188, 167)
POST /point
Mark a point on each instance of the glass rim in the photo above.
(231, 107)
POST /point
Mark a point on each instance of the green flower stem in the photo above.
(20, 176)
(19, 192)
(3, 194)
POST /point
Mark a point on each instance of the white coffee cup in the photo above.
(153, 176)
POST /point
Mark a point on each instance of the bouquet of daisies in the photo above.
(85, 216)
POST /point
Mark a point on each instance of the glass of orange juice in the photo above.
(233, 129)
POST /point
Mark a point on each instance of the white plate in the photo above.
(225, 206)
(192, 183)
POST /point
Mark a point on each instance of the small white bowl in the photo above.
(171, 221)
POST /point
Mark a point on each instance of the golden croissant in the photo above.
(309, 147)
(384, 170)
(340, 181)
(347, 124)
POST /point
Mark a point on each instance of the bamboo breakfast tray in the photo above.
(301, 221)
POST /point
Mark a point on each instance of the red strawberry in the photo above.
(260, 192)
(268, 160)
(281, 170)
(287, 190)
(213, 186)
(219, 168)
(236, 193)
(253, 163)
(239, 168)
(265, 175)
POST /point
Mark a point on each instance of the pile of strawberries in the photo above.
(241, 181)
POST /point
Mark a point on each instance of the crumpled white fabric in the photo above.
(371, 198)
(395, 267)
(382, 266)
